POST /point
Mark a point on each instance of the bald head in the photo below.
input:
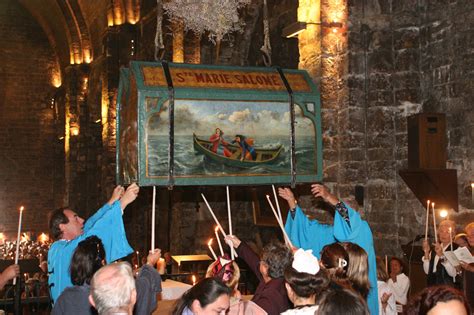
(113, 289)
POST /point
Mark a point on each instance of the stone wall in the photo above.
(408, 57)
(31, 166)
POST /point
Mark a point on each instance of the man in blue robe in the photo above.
(348, 227)
(69, 229)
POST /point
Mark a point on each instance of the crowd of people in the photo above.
(323, 269)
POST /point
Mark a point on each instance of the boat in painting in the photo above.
(264, 156)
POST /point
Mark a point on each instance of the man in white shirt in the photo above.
(399, 283)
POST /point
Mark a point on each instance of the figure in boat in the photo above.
(246, 146)
(218, 144)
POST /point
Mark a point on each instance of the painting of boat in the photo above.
(264, 156)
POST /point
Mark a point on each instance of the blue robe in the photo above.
(310, 234)
(107, 224)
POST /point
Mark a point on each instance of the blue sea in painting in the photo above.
(189, 162)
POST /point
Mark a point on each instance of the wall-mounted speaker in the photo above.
(427, 141)
(359, 195)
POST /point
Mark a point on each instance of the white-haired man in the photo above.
(113, 289)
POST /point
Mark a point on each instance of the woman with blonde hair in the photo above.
(358, 268)
(228, 272)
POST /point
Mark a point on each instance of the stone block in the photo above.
(380, 81)
(379, 140)
(380, 61)
(411, 95)
(406, 60)
(351, 171)
(380, 119)
(374, 154)
(380, 98)
(382, 169)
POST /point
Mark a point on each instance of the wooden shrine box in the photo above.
(167, 115)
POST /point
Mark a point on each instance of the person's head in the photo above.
(65, 224)
(358, 271)
(438, 300)
(461, 240)
(335, 260)
(443, 231)
(342, 302)
(88, 257)
(113, 289)
(209, 296)
(304, 277)
(219, 132)
(396, 265)
(382, 274)
(225, 270)
(469, 229)
(238, 138)
(275, 258)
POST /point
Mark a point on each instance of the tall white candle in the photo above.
(472, 193)
(287, 239)
(277, 203)
(214, 216)
(153, 208)
(17, 253)
(229, 214)
(217, 222)
(451, 238)
(386, 264)
(427, 219)
(209, 245)
(434, 222)
(219, 241)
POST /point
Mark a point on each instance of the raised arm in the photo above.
(129, 196)
(9, 273)
(247, 254)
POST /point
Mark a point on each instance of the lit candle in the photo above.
(138, 257)
(43, 238)
(17, 254)
(427, 219)
(153, 219)
(219, 241)
(434, 222)
(209, 244)
(194, 280)
(2, 239)
(287, 239)
(229, 214)
(277, 203)
(161, 266)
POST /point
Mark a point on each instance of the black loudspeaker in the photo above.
(359, 195)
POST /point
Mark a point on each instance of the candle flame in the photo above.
(216, 229)
(194, 279)
(22, 208)
(210, 242)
